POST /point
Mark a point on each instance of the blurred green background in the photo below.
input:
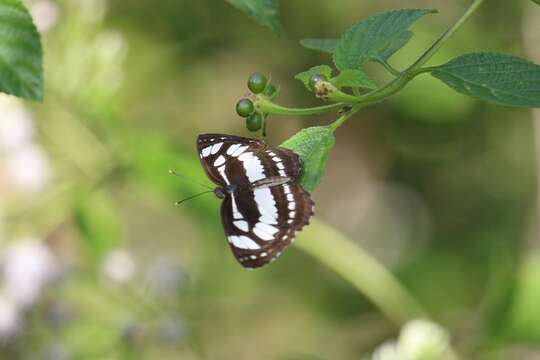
(98, 263)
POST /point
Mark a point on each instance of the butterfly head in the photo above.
(221, 192)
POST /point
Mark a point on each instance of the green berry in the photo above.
(314, 79)
(257, 82)
(270, 90)
(254, 122)
(244, 107)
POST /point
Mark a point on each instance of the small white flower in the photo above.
(386, 351)
(9, 317)
(45, 14)
(28, 265)
(119, 266)
(28, 168)
(422, 339)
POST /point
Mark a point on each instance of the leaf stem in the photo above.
(388, 67)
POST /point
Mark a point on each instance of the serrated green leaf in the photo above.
(324, 45)
(265, 12)
(373, 36)
(499, 78)
(21, 69)
(353, 78)
(313, 146)
(396, 44)
(98, 223)
(304, 76)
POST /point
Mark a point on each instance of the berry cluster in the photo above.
(258, 84)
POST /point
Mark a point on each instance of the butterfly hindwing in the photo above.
(259, 224)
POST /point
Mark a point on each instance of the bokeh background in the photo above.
(98, 263)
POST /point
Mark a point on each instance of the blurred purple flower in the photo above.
(164, 276)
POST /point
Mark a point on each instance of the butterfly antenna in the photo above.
(192, 197)
(172, 172)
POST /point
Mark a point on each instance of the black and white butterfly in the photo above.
(263, 206)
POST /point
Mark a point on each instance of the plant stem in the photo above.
(388, 67)
(363, 271)
(266, 106)
(447, 34)
(340, 120)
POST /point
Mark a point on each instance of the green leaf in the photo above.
(536, 1)
(98, 222)
(324, 45)
(375, 35)
(265, 12)
(498, 78)
(304, 77)
(399, 42)
(21, 68)
(313, 145)
(353, 78)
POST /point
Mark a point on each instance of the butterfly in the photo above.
(263, 205)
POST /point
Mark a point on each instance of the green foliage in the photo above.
(265, 12)
(313, 144)
(21, 69)
(499, 78)
(305, 76)
(376, 35)
(353, 78)
(98, 223)
(536, 1)
(400, 41)
(324, 45)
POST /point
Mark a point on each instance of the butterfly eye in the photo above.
(220, 193)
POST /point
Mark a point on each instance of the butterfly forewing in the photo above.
(219, 157)
(260, 217)
(236, 160)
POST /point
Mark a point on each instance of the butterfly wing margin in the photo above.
(260, 224)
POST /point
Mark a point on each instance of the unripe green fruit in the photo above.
(254, 122)
(257, 82)
(245, 107)
(270, 90)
